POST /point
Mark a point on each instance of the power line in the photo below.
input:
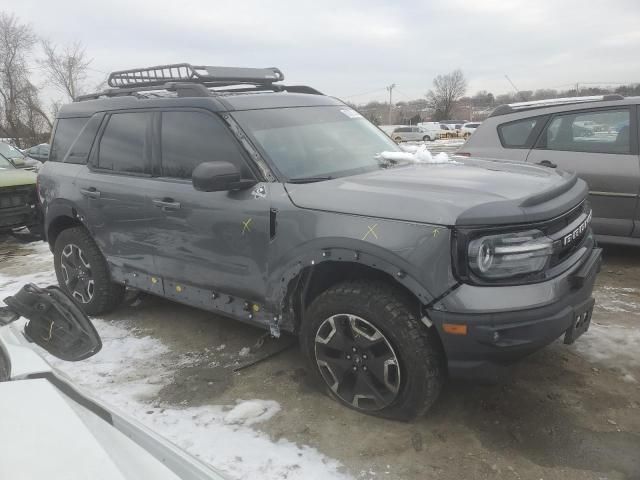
(364, 93)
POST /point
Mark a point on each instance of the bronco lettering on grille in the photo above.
(577, 232)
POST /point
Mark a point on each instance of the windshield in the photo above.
(10, 152)
(5, 164)
(320, 142)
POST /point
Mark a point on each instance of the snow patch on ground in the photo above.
(132, 368)
(251, 411)
(614, 346)
(618, 299)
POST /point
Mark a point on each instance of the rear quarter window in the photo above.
(518, 134)
(597, 131)
(65, 133)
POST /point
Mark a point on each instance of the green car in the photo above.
(18, 199)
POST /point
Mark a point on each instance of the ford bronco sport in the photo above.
(224, 189)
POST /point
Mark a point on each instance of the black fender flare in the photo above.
(338, 249)
(61, 208)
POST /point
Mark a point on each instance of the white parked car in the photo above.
(468, 128)
(434, 130)
(412, 134)
(53, 430)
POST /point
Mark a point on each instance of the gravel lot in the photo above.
(566, 413)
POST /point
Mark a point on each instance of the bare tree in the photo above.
(16, 91)
(447, 89)
(66, 69)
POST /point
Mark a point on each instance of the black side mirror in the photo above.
(218, 177)
(56, 323)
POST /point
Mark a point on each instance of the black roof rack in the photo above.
(552, 102)
(187, 80)
(185, 72)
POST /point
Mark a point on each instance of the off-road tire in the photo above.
(107, 295)
(422, 365)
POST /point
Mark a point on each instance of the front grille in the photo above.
(12, 197)
(563, 226)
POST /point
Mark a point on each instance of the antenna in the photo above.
(514, 86)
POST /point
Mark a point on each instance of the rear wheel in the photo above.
(427, 138)
(398, 139)
(364, 343)
(83, 273)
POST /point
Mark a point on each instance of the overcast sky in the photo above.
(353, 49)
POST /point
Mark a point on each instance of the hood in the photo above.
(461, 192)
(17, 177)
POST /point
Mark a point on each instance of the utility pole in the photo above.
(390, 90)
(577, 89)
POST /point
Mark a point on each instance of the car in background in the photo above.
(454, 126)
(38, 152)
(596, 137)
(17, 158)
(433, 129)
(411, 134)
(468, 128)
(18, 199)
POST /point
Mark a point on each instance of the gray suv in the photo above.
(596, 137)
(224, 189)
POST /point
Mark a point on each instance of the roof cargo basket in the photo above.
(185, 72)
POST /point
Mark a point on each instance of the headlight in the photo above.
(506, 255)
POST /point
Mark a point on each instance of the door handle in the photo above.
(165, 204)
(547, 163)
(90, 192)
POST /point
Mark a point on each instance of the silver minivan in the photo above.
(412, 134)
(596, 137)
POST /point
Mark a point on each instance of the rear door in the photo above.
(206, 241)
(601, 146)
(115, 188)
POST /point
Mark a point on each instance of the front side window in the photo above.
(190, 138)
(517, 134)
(604, 131)
(317, 141)
(123, 147)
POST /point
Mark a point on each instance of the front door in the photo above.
(115, 186)
(600, 145)
(208, 244)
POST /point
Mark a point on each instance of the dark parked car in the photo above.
(282, 207)
(596, 137)
(39, 152)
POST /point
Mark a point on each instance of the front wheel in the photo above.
(364, 343)
(427, 138)
(83, 273)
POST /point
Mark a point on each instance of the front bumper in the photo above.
(501, 335)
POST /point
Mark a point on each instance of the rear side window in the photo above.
(123, 146)
(190, 138)
(517, 134)
(603, 131)
(67, 130)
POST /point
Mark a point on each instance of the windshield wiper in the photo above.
(309, 179)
